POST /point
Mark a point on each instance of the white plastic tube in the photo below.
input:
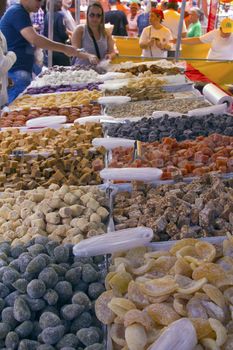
(113, 242)
(113, 100)
(216, 110)
(46, 121)
(112, 142)
(179, 335)
(93, 119)
(131, 174)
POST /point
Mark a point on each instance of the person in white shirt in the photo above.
(69, 20)
(155, 38)
(221, 41)
(172, 19)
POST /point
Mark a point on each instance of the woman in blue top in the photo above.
(93, 37)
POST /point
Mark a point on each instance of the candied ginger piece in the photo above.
(214, 294)
(136, 296)
(180, 244)
(137, 316)
(120, 306)
(103, 312)
(206, 251)
(160, 286)
(136, 337)
(162, 313)
(220, 330)
(202, 327)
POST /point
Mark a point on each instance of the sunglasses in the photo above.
(97, 15)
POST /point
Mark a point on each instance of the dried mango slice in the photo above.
(103, 313)
(117, 333)
(195, 309)
(179, 306)
(221, 332)
(206, 251)
(136, 337)
(137, 316)
(214, 294)
(202, 328)
(210, 344)
(136, 296)
(159, 286)
(180, 244)
(162, 313)
(214, 273)
(156, 254)
(192, 287)
(120, 306)
(188, 250)
(144, 268)
(164, 263)
(120, 281)
(182, 267)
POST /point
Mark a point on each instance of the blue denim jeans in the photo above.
(21, 80)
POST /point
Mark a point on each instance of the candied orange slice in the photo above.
(162, 313)
(120, 306)
(179, 306)
(119, 282)
(182, 267)
(137, 316)
(159, 286)
(136, 296)
(214, 294)
(183, 243)
(206, 251)
(213, 272)
(103, 313)
(202, 328)
(220, 330)
(136, 337)
(117, 333)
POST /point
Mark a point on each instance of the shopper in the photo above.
(221, 41)
(155, 38)
(22, 38)
(117, 18)
(59, 34)
(69, 20)
(143, 19)
(194, 29)
(132, 20)
(172, 19)
(93, 37)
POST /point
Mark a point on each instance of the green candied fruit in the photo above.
(89, 274)
(52, 335)
(49, 319)
(21, 310)
(36, 265)
(49, 277)
(12, 340)
(36, 289)
(88, 336)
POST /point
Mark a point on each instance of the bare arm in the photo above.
(76, 38)
(191, 41)
(111, 50)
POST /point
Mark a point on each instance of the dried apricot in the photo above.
(103, 313)
(206, 251)
(162, 313)
(137, 316)
(120, 306)
(180, 244)
(144, 268)
(214, 294)
(117, 333)
(202, 328)
(119, 282)
(221, 332)
(159, 286)
(192, 286)
(214, 273)
(182, 267)
(136, 296)
(136, 337)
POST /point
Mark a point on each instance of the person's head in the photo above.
(31, 5)
(226, 27)
(226, 7)
(66, 3)
(195, 14)
(2, 7)
(164, 4)
(95, 17)
(133, 8)
(172, 5)
(156, 16)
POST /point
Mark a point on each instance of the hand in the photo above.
(151, 43)
(108, 57)
(93, 59)
(173, 41)
(159, 44)
(70, 51)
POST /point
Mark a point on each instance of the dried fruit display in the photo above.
(153, 68)
(65, 214)
(19, 118)
(48, 296)
(68, 99)
(180, 128)
(62, 88)
(140, 94)
(176, 159)
(146, 108)
(191, 280)
(50, 156)
(200, 209)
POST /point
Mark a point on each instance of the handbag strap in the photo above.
(150, 46)
(95, 44)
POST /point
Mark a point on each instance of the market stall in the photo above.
(94, 167)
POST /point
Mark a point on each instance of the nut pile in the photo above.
(62, 88)
(176, 159)
(180, 128)
(50, 156)
(140, 94)
(47, 298)
(154, 69)
(149, 290)
(145, 109)
(200, 209)
(66, 214)
(68, 99)
(19, 118)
